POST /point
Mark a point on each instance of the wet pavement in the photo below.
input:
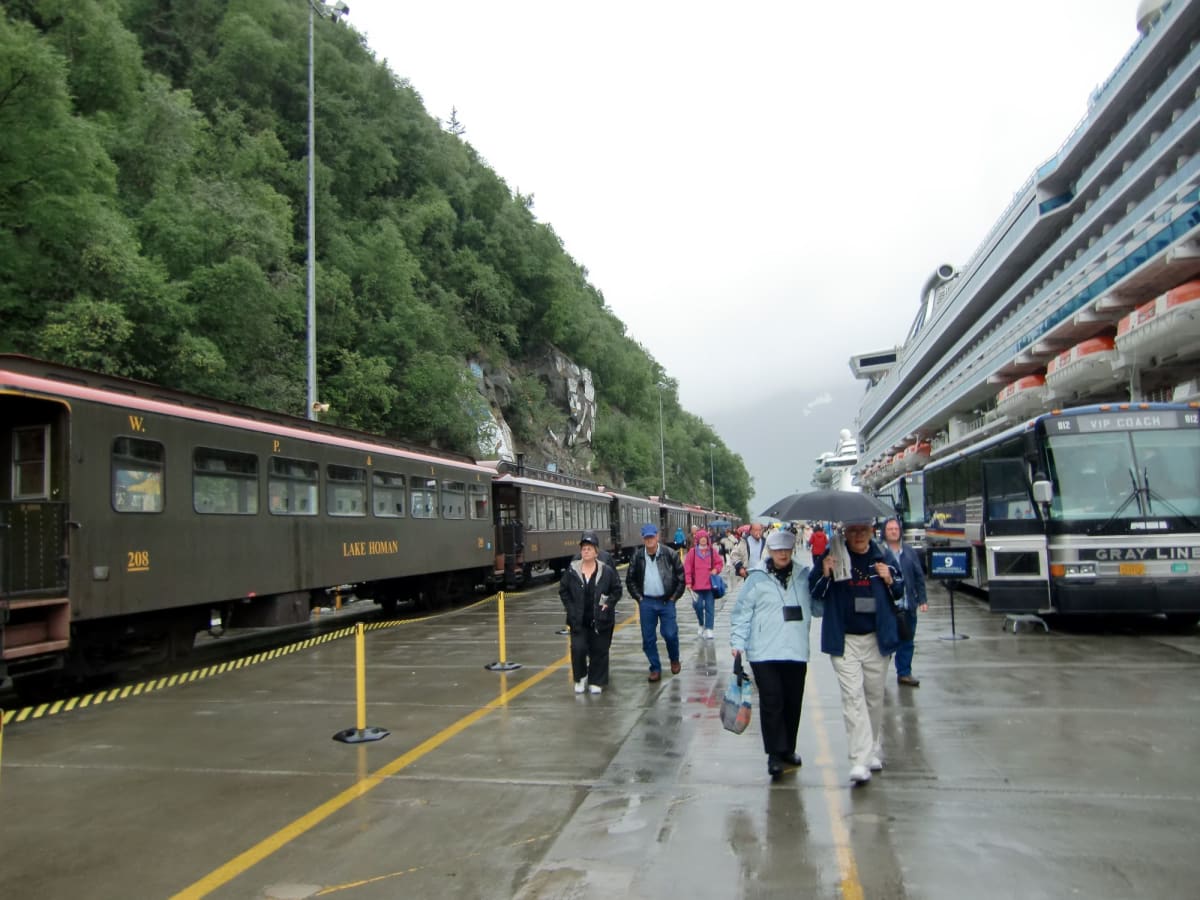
(1026, 765)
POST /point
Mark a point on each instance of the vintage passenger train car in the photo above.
(132, 512)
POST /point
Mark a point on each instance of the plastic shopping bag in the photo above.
(736, 705)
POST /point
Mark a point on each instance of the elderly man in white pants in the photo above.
(854, 587)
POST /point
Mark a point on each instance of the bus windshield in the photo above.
(1094, 475)
(914, 516)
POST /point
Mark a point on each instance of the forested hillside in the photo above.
(152, 223)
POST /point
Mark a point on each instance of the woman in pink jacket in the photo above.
(699, 566)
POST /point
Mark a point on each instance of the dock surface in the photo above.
(1034, 764)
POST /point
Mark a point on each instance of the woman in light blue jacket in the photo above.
(770, 626)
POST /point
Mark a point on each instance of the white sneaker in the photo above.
(580, 685)
(595, 689)
(876, 764)
(699, 631)
(859, 774)
(708, 634)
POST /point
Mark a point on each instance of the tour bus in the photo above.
(1087, 510)
(906, 495)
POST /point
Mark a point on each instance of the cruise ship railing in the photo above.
(948, 309)
(1176, 214)
(1173, 137)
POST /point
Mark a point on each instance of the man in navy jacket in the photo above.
(859, 632)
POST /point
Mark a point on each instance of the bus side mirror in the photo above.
(1043, 491)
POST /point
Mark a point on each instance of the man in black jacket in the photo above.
(656, 587)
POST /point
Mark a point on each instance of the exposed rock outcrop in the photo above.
(566, 442)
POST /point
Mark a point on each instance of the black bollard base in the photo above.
(502, 666)
(356, 736)
(953, 637)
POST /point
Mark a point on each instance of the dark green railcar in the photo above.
(132, 512)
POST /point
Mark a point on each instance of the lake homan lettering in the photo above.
(370, 548)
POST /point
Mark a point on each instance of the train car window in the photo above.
(137, 475)
(224, 482)
(345, 491)
(31, 463)
(423, 499)
(478, 495)
(568, 520)
(454, 500)
(387, 492)
(543, 514)
(292, 486)
(551, 515)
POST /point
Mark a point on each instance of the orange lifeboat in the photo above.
(917, 455)
(1085, 366)
(1023, 396)
(1163, 327)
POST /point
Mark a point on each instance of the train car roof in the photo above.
(26, 375)
(646, 500)
(550, 485)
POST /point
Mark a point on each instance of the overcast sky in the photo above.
(762, 185)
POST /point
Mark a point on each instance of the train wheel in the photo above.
(1182, 623)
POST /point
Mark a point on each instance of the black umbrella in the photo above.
(830, 506)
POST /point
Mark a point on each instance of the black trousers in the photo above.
(589, 653)
(780, 686)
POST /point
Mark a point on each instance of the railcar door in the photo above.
(1014, 536)
(34, 556)
(510, 534)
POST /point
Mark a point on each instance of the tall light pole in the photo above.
(662, 444)
(338, 10)
(712, 474)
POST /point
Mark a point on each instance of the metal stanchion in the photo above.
(953, 635)
(361, 732)
(502, 665)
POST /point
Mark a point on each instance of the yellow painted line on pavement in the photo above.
(242, 862)
(835, 795)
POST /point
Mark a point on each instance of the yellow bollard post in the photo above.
(360, 675)
(360, 732)
(337, 599)
(502, 665)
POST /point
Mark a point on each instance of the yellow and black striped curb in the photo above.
(42, 710)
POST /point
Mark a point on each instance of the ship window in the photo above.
(224, 482)
(137, 475)
(31, 463)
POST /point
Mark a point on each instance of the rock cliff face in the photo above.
(563, 443)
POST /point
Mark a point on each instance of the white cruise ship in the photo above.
(836, 470)
(1085, 290)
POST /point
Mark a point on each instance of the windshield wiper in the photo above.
(1171, 507)
(1135, 494)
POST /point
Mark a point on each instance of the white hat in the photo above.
(781, 540)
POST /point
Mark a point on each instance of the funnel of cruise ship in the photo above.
(830, 506)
